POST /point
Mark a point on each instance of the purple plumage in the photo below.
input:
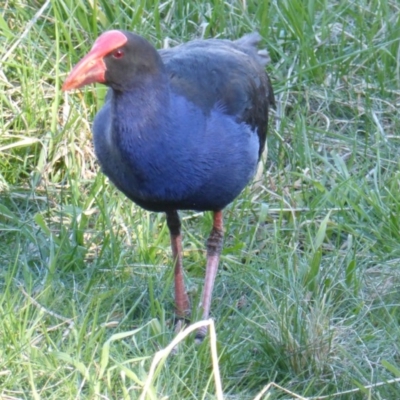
(181, 128)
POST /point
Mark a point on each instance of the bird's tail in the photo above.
(249, 43)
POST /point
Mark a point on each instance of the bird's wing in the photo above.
(223, 74)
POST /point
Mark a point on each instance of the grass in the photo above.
(306, 303)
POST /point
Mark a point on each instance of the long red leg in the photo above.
(214, 248)
(182, 304)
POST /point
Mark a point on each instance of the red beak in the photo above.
(92, 67)
(89, 70)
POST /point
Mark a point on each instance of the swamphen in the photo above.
(181, 129)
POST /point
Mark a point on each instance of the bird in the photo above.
(181, 128)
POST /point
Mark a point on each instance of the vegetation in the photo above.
(307, 296)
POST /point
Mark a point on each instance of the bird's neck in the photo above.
(141, 110)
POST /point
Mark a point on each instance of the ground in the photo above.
(307, 295)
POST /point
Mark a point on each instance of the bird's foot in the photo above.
(180, 323)
(200, 335)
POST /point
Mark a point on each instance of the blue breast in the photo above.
(174, 156)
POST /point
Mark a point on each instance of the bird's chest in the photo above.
(194, 163)
(147, 165)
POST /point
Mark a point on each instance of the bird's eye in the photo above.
(119, 53)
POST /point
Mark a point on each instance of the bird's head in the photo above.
(117, 59)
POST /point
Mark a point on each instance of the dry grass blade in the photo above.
(26, 31)
(161, 355)
(275, 385)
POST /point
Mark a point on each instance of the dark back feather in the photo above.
(229, 75)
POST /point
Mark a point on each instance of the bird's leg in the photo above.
(181, 298)
(214, 247)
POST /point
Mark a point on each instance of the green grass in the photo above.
(307, 296)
